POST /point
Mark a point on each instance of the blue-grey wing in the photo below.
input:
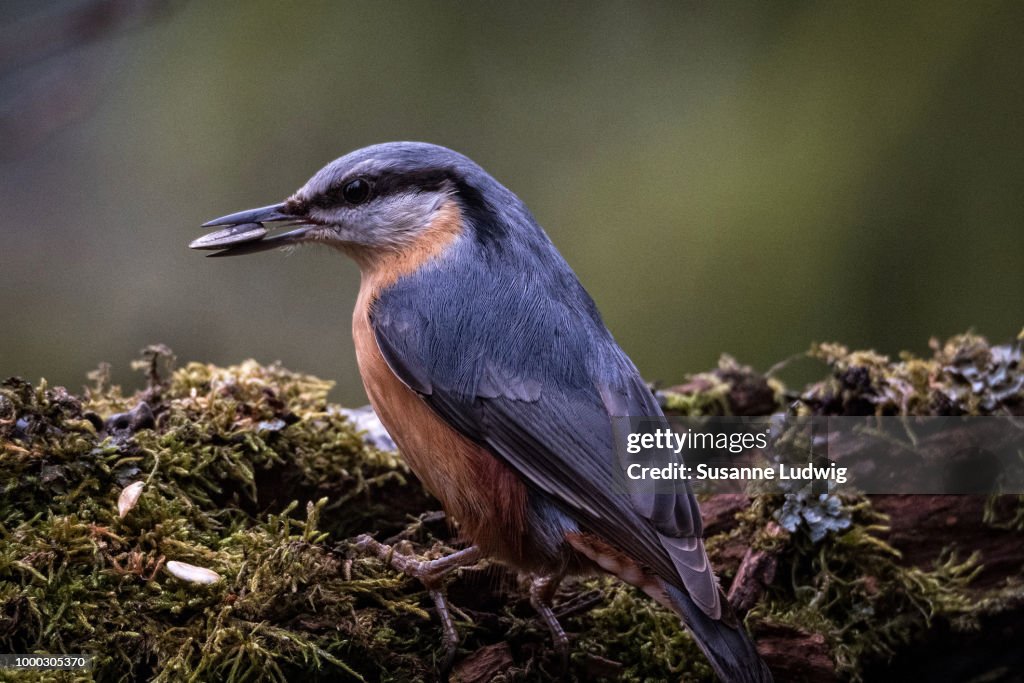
(524, 366)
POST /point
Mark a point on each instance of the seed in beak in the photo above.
(235, 234)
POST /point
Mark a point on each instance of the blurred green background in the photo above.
(737, 177)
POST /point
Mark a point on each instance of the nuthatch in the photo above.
(490, 366)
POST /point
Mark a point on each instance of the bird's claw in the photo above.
(431, 573)
(542, 593)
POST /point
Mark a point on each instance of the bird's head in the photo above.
(379, 198)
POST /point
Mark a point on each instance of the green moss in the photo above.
(729, 389)
(1005, 512)
(249, 472)
(851, 587)
(710, 397)
(228, 453)
(644, 638)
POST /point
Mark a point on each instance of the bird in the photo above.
(492, 369)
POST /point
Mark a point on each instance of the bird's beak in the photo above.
(245, 233)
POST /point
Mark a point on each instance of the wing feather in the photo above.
(534, 376)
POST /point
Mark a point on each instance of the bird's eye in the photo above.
(356, 191)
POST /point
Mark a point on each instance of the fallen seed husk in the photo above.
(129, 497)
(192, 573)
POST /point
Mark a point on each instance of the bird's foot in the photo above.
(542, 594)
(431, 574)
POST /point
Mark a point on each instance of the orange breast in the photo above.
(485, 497)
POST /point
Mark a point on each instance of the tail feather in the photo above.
(729, 649)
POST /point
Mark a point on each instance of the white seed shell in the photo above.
(226, 237)
(192, 573)
(129, 497)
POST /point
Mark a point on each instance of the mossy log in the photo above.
(249, 472)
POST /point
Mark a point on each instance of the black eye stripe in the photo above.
(426, 181)
(384, 185)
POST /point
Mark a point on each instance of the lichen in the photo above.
(820, 514)
(964, 376)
